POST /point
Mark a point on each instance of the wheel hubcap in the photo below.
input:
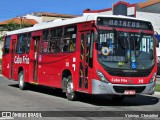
(70, 88)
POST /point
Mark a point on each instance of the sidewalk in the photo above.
(158, 79)
(158, 82)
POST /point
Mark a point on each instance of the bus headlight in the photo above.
(153, 78)
(102, 77)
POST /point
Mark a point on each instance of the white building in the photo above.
(46, 16)
(148, 10)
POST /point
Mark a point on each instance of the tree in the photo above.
(14, 26)
(11, 26)
(1, 38)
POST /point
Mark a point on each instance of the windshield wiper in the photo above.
(121, 39)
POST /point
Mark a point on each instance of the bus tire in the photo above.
(64, 82)
(70, 93)
(22, 84)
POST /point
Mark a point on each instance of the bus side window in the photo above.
(72, 45)
(45, 40)
(69, 41)
(51, 46)
(55, 38)
(44, 47)
(7, 45)
(28, 40)
(65, 45)
(22, 41)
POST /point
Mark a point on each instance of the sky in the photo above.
(14, 8)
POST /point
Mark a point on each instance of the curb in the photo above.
(156, 93)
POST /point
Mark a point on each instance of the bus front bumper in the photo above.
(99, 87)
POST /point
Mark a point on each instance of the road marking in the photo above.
(1, 118)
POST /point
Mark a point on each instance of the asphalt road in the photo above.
(39, 98)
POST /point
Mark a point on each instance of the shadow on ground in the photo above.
(98, 100)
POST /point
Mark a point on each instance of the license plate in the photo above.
(130, 92)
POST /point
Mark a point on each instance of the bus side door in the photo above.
(13, 52)
(85, 68)
(35, 61)
(8, 56)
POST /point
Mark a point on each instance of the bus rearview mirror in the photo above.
(157, 43)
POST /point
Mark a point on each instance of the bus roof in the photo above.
(60, 22)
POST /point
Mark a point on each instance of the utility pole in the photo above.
(21, 22)
(112, 7)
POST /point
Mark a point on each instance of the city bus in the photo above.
(92, 54)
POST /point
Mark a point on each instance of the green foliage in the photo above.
(2, 38)
(157, 87)
(11, 26)
(14, 26)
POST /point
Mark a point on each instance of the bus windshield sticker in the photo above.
(134, 65)
(105, 51)
(113, 58)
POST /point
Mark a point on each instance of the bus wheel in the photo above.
(118, 97)
(70, 94)
(22, 84)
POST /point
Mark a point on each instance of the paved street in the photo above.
(47, 99)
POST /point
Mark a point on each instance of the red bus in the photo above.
(94, 54)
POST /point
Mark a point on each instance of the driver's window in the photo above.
(107, 41)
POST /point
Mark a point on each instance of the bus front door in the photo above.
(35, 61)
(84, 61)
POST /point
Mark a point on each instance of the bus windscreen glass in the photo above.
(125, 50)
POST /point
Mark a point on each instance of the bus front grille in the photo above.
(121, 89)
(129, 74)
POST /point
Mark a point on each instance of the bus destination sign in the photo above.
(124, 23)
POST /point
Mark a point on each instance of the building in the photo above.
(20, 22)
(46, 16)
(149, 10)
(32, 19)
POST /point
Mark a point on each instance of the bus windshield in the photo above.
(125, 50)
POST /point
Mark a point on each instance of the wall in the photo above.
(38, 19)
(1, 45)
(154, 18)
